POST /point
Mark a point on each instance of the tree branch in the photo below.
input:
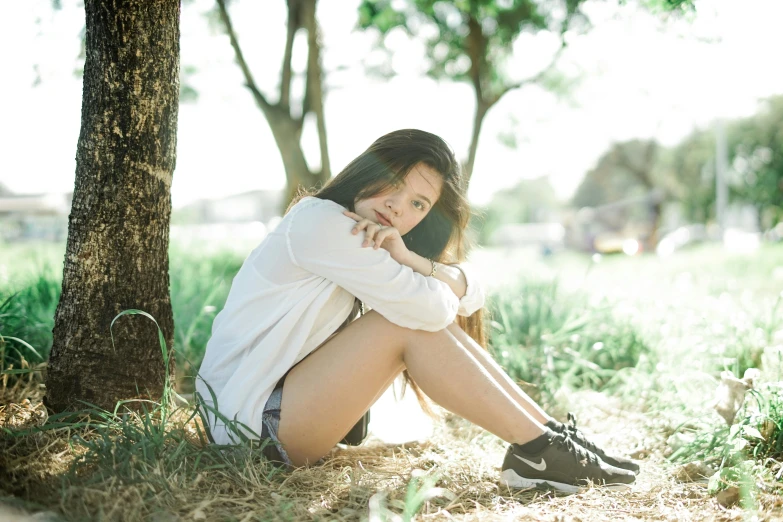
(315, 86)
(642, 173)
(294, 23)
(533, 79)
(546, 70)
(249, 81)
(475, 50)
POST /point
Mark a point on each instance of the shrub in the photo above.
(28, 313)
(748, 451)
(553, 340)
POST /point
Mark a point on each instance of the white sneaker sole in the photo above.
(510, 478)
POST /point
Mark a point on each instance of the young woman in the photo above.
(290, 361)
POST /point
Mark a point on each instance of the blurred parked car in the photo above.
(611, 242)
(680, 238)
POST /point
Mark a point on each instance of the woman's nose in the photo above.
(393, 204)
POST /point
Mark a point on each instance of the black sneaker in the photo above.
(562, 465)
(577, 436)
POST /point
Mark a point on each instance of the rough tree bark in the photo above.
(118, 232)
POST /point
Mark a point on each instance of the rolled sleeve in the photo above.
(320, 241)
(473, 300)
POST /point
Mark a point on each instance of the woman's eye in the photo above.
(418, 204)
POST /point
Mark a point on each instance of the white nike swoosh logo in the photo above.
(541, 466)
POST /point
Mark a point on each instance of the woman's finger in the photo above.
(370, 233)
(361, 225)
(382, 235)
(352, 215)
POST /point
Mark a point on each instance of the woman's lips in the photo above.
(382, 220)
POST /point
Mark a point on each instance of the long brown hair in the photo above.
(441, 234)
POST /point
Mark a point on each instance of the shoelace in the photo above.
(578, 436)
(575, 449)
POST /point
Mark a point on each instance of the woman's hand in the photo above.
(379, 236)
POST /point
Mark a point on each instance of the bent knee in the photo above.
(401, 332)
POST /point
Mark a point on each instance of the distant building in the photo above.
(547, 235)
(239, 221)
(44, 217)
(30, 217)
(256, 205)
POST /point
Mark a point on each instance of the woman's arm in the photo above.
(320, 242)
(449, 274)
(463, 286)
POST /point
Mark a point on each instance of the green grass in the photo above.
(756, 433)
(541, 335)
(553, 339)
(152, 448)
(699, 312)
(199, 288)
(31, 289)
(748, 455)
(652, 335)
(27, 312)
(573, 331)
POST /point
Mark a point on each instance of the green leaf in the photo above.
(752, 432)
(739, 445)
(23, 343)
(161, 339)
(715, 483)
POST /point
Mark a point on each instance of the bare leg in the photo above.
(326, 393)
(500, 375)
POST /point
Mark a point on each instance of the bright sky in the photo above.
(641, 78)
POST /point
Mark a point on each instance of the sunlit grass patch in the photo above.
(554, 339)
(127, 465)
(682, 322)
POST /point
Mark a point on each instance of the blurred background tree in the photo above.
(625, 170)
(529, 201)
(471, 41)
(756, 155)
(286, 118)
(627, 173)
(691, 165)
(644, 176)
(755, 177)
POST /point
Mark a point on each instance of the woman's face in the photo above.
(405, 205)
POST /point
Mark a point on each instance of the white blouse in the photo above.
(293, 291)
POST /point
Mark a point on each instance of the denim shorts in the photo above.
(273, 450)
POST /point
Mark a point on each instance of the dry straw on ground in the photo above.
(366, 482)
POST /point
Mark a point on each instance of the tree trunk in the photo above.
(467, 169)
(287, 132)
(655, 219)
(118, 231)
(314, 86)
(286, 127)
